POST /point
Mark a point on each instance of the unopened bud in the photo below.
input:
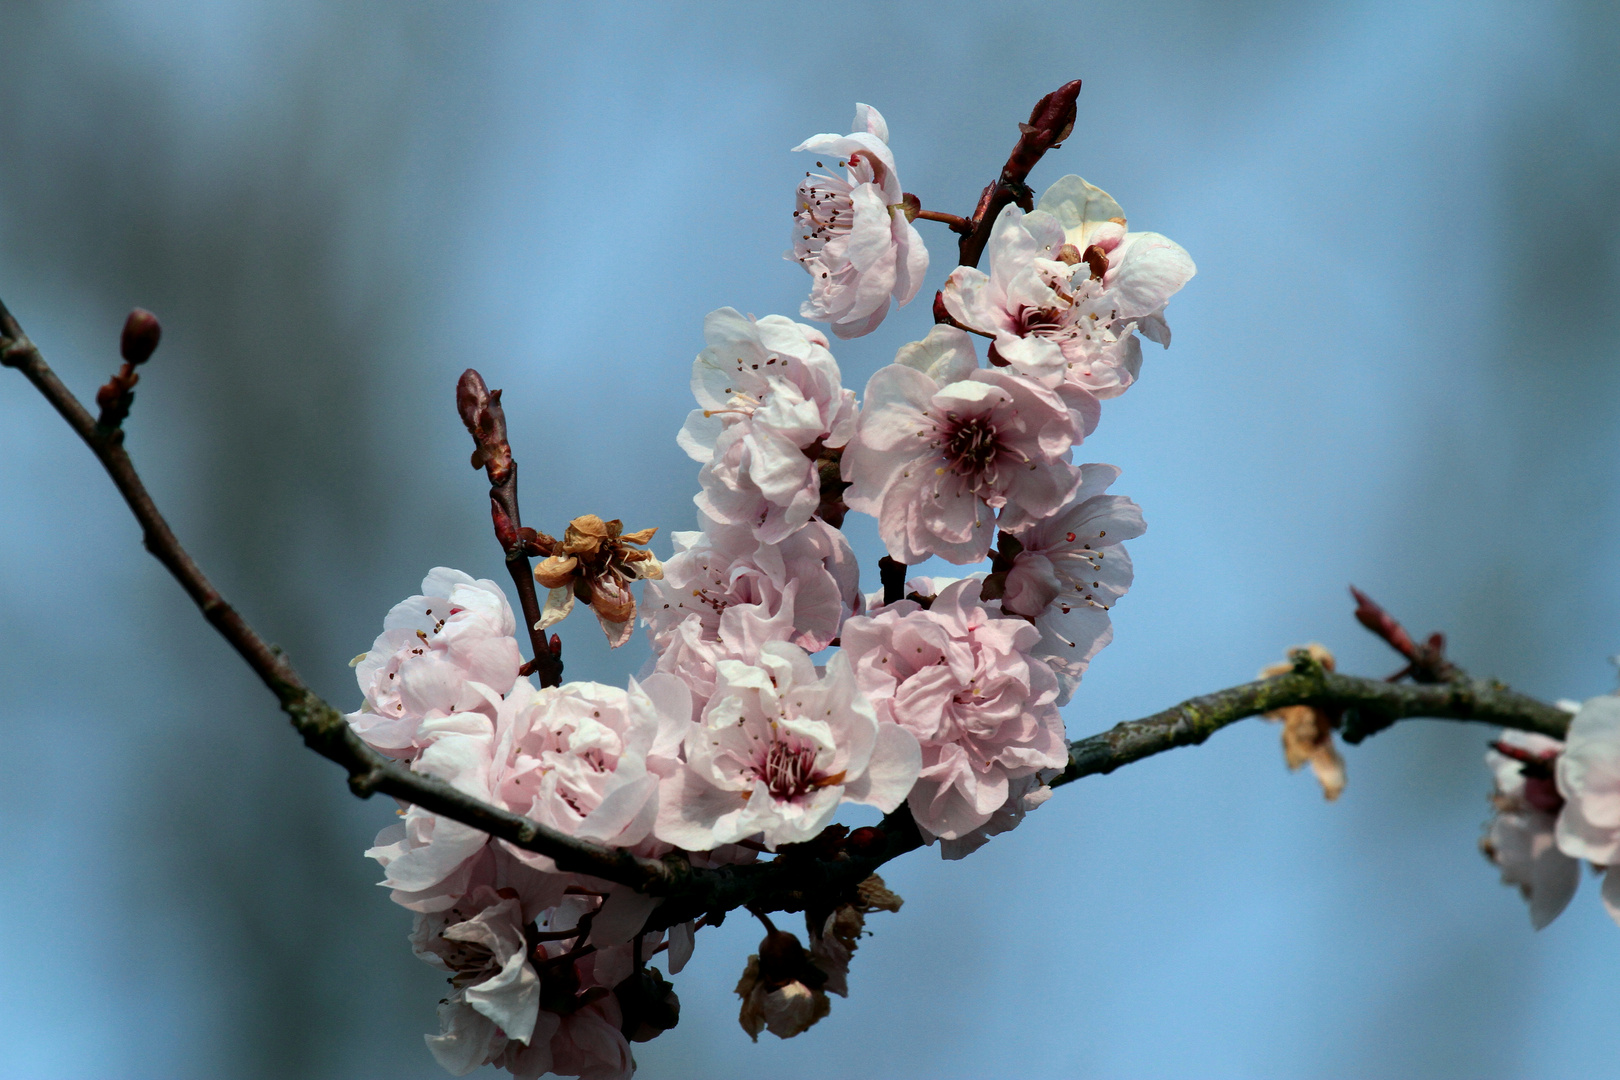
(1068, 254)
(140, 337)
(865, 841)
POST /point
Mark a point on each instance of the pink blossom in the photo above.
(1145, 269)
(582, 1024)
(1589, 781)
(771, 398)
(724, 566)
(1070, 571)
(1520, 837)
(427, 858)
(432, 648)
(1066, 291)
(574, 758)
(959, 676)
(853, 235)
(692, 654)
(944, 447)
(779, 748)
(480, 941)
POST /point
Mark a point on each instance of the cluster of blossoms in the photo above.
(1557, 803)
(741, 737)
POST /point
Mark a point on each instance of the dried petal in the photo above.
(1307, 734)
(555, 571)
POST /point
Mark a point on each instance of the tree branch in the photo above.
(1370, 705)
(324, 729)
(814, 875)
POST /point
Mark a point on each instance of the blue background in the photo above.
(1396, 366)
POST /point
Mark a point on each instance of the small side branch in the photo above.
(1049, 124)
(481, 412)
(1370, 706)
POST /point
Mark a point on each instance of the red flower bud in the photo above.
(140, 338)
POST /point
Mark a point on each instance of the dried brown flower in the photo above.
(596, 564)
(782, 990)
(1307, 733)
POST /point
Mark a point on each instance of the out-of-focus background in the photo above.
(1396, 366)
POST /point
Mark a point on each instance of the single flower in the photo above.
(771, 402)
(726, 566)
(959, 675)
(779, 748)
(853, 235)
(946, 451)
(1066, 293)
(1520, 838)
(495, 998)
(433, 648)
(1589, 781)
(1066, 572)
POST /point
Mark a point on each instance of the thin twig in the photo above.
(957, 223)
(481, 412)
(324, 729)
(1049, 124)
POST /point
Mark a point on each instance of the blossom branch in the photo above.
(481, 412)
(1050, 122)
(793, 882)
(814, 875)
(1370, 706)
(323, 727)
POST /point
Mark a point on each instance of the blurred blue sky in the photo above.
(1396, 366)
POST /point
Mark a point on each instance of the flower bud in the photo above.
(140, 337)
(649, 1005)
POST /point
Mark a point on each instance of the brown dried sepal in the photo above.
(874, 894)
(1307, 734)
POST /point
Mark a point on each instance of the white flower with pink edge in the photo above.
(1067, 291)
(1589, 781)
(1070, 571)
(852, 235)
(946, 451)
(480, 941)
(433, 647)
(779, 748)
(771, 398)
(725, 566)
(959, 676)
(1521, 837)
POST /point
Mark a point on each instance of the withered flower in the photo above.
(782, 989)
(835, 941)
(596, 564)
(1307, 733)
